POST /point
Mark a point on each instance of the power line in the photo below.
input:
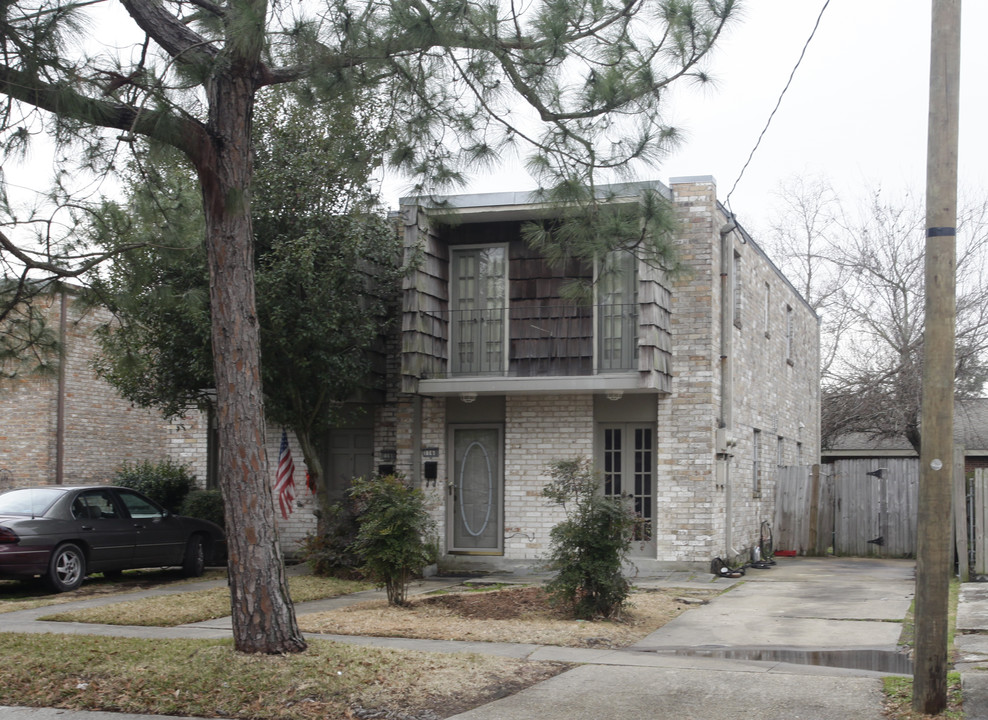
(758, 142)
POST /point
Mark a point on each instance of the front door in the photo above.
(628, 463)
(475, 508)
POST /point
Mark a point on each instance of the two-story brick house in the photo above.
(686, 393)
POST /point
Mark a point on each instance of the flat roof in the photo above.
(516, 205)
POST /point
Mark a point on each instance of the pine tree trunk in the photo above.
(263, 615)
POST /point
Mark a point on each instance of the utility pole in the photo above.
(933, 557)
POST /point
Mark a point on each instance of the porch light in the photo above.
(615, 395)
(468, 397)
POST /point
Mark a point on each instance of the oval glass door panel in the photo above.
(476, 490)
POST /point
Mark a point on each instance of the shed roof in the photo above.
(970, 431)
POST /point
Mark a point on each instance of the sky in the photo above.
(854, 115)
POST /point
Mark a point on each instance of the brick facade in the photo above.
(102, 431)
(707, 501)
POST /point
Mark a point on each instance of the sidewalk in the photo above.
(771, 618)
(971, 642)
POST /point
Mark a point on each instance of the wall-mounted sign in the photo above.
(389, 455)
(430, 452)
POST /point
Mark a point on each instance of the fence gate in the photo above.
(854, 507)
(875, 507)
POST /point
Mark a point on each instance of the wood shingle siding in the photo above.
(425, 301)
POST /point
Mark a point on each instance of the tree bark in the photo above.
(263, 615)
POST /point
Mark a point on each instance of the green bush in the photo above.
(393, 524)
(167, 483)
(205, 505)
(332, 554)
(588, 548)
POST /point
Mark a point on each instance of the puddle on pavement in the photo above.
(877, 660)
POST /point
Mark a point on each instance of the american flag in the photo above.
(284, 480)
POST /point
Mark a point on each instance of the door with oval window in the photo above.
(475, 508)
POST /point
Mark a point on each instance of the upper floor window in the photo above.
(767, 311)
(738, 295)
(478, 298)
(617, 318)
(789, 335)
(509, 316)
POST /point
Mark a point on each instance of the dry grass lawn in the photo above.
(206, 678)
(198, 605)
(519, 615)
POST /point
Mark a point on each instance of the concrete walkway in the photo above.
(766, 626)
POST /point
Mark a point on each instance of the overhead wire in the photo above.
(727, 200)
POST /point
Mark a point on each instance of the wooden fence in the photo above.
(977, 499)
(803, 505)
(852, 507)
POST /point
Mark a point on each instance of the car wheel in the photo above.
(66, 568)
(194, 563)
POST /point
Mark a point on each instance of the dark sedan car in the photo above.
(62, 533)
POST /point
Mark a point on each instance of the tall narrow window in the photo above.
(479, 302)
(737, 289)
(756, 470)
(617, 313)
(629, 472)
(766, 312)
(789, 335)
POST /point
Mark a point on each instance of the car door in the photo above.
(160, 538)
(101, 524)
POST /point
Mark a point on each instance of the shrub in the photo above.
(205, 505)
(332, 554)
(588, 548)
(167, 483)
(392, 526)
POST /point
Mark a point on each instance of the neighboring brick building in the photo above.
(70, 427)
(100, 431)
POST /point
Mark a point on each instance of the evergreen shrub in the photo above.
(167, 482)
(393, 524)
(205, 505)
(588, 548)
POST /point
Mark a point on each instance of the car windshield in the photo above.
(29, 501)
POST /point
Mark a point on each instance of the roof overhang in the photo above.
(629, 383)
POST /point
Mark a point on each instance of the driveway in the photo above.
(799, 605)
(811, 603)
